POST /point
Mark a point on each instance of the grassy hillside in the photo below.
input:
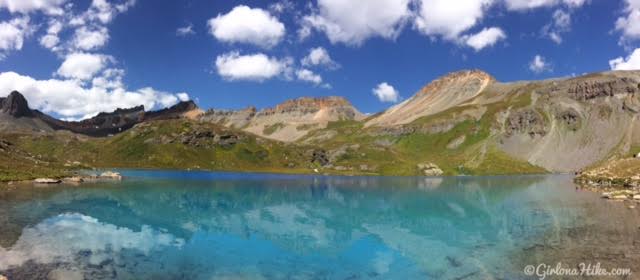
(186, 144)
(17, 164)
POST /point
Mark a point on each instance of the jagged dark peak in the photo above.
(121, 111)
(16, 105)
(175, 111)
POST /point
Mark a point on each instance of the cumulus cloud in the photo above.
(102, 12)
(185, 31)
(386, 93)
(73, 100)
(51, 39)
(85, 83)
(631, 62)
(520, 5)
(90, 38)
(560, 23)
(353, 22)
(539, 64)
(253, 67)
(82, 66)
(51, 7)
(443, 18)
(319, 57)
(13, 34)
(308, 76)
(485, 38)
(247, 25)
(629, 24)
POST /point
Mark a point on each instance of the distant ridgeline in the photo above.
(103, 124)
(465, 122)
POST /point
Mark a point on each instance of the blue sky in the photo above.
(73, 59)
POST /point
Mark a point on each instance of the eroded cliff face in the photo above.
(230, 118)
(443, 93)
(289, 120)
(572, 124)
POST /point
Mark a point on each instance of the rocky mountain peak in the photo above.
(310, 104)
(15, 105)
(439, 95)
(471, 77)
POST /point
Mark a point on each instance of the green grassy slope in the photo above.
(476, 155)
(353, 149)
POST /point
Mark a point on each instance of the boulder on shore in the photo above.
(111, 175)
(46, 181)
(74, 179)
(430, 169)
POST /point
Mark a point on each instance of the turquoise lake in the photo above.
(208, 225)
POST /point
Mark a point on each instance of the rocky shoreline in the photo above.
(617, 179)
(75, 179)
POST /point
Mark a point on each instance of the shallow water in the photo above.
(202, 225)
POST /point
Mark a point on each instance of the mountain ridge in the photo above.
(466, 122)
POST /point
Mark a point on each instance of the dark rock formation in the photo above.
(103, 124)
(570, 118)
(320, 157)
(173, 112)
(586, 90)
(525, 121)
(15, 105)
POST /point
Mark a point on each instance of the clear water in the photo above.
(201, 225)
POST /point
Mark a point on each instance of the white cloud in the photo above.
(102, 12)
(246, 25)
(485, 38)
(319, 57)
(183, 96)
(561, 23)
(90, 38)
(254, 67)
(353, 22)
(629, 25)
(386, 93)
(539, 64)
(447, 19)
(520, 5)
(72, 100)
(51, 39)
(308, 76)
(186, 30)
(631, 62)
(82, 66)
(51, 7)
(282, 6)
(12, 34)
